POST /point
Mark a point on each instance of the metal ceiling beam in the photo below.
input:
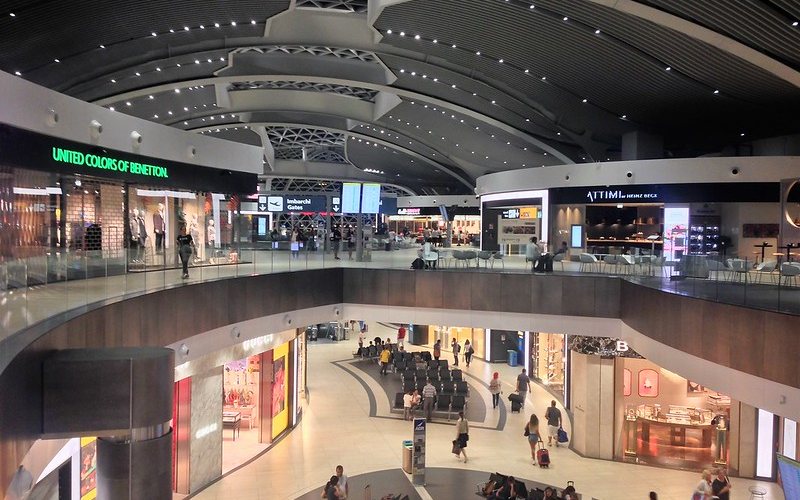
(454, 108)
(466, 182)
(705, 35)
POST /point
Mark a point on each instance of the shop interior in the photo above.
(548, 357)
(507, 226)
(242, 392)
(670, 421)
(446, 334)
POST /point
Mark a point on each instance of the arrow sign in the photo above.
(335, 208)
(262, 207)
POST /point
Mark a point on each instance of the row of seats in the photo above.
(459, 388)
(445, 403)
(496, 480)
(433, 373)
(403, 363)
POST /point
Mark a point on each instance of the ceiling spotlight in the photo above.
(416, 37)
(388, 32)
(668, 68)
(716, 91)
(216, 25)
(252, 21)
(402, 33)
(158, 69)
(596, 32)
(185, 28)
(435, 41)
(102, 46)
(153, 34)
(500, 61)
(233, 23)
(57, 60)
(454, 45)
(113, 80)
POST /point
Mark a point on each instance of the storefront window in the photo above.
(548, 355)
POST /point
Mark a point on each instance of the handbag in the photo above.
(562, 435)
(527, 432)
(456, 447)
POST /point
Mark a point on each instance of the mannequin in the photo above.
(211, 235)
(142, 235)
(194, 232)
(133, 225)
(159, 227)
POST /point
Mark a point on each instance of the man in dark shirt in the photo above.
(553, 416)
(523, 385)
(721, 485)
(336, 237)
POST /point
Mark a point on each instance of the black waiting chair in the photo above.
(443, 364)
(457, 375)
(433, 373)
(426, 356)
(408, 375)
(421, 375)
(398, 400)
(448, 388)
(462, 389)
(445, 375)
(458, 403)
(443, 403)
(409, 384)
(433, 363)
(421, 385)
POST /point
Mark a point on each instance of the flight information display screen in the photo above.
(351, 197)
(370, 198)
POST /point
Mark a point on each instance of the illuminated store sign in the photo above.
(408, 211)
(107, 163)
(618, 195)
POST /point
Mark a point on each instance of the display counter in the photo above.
(232, 420)
(677, 421)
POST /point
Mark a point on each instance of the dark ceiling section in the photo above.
(620, 70)
(767, 26)
(75, 32)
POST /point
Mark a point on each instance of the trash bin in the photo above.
(512, 357)
(408, 451)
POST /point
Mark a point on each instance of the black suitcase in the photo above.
(516, 402)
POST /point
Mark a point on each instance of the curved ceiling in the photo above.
(427, 94)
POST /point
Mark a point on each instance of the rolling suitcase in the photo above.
(516, 402)
(543, 456)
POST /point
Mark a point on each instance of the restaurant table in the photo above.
(789, 247)
(232, 420)
(763, 247)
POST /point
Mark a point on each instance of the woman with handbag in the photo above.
(532, 433)
(495, 388)
(462, 435)
(703, 489)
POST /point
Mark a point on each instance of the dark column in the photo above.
(123, 396)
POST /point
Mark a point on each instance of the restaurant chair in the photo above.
(498, 257)
(768, 268)
(609, 261)
(470, 255)
(738, 269)
(625, 263)
(789, 273)
(589, 263)
(484, 256)
(560, 259)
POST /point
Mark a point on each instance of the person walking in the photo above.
(523, 385)
(386, 354)
(401, 336)
(331, 490)
(428, 396)
(462, 435)
(344, 488)
(653, 496)
(721, 486)
(532, 433)
(437, 350)
(185, 249)
(336, 237)
(703, 490)
(468, 352)
(351, 242)
(456, 349)
(294, 243)
(553, 417)
(408, 401)
(496, 389)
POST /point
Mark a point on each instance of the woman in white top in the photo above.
(703, 489)
(462, 435)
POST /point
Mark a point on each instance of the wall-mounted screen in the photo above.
(576, 236)
(370, 198)
(351, 197)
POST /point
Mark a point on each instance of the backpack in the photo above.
(418, 264)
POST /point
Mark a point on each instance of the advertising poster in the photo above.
(676, 225)
(280, 389)
(88, 468)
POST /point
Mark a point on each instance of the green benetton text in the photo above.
(106, 163)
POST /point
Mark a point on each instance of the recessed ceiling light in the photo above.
(388, 32)
(216, 25)
(435, 41)
(150, 97)
(158, 69)
(624, 117)
(558, 133)
(185, 28)
(202, 27)
(402, 33)
(12, 14)
(741, 135)
(566, 18)
(113, 80)
(478, 53)
(252, 21)
(454, 45)
(596, 32)
(416, 37)
(209, 59)
(153, 34)
(435, 79)
(178, 65)
(169, 113)
(233, 23)
(102, 46)
(794, 24)
(186, 123)
(716, 91)
(453, 86)
(413, 73)
(171, 30)
(185, 108)
(197, 61)
(402, 71)
(128, 103)
(177, 91)
(527, 71)
(584, 101)
(668, 68)
(57, 60)
(527, 119)
(544, 78)
(138, 74)
(494, 102)
(111, 108)
(532, 6)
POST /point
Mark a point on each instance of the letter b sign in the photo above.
(622, 346)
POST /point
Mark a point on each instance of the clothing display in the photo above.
(159, 228)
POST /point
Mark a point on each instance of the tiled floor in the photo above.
(337, 429)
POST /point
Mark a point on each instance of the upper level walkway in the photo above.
(22, 305)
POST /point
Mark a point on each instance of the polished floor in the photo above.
(337, 428)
